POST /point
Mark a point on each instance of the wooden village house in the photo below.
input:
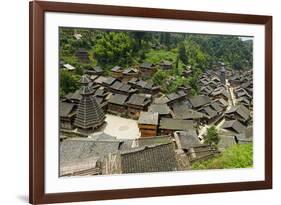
(129, 73)
(148, 124)
(138, 103)
(82, 55)
(117, 72)
(67, 115)
(168, 125)
(117, 104)
(147, 69)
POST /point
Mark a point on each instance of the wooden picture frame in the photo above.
(37, 10)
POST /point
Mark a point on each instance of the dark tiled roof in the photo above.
(76, 95)
(159, 158)
(146, 65)
(148, 141)
(138, 99)
(162, 109)
(118, 99)
(80, 154)
(109, 80)
(209, 111)
(100, 79)
(66, 109)
(182, 111)
(216, 106)
(175, 124)
(130, 70)
(199, 100)
(84, 79)
(234, 125)
(150, 118)
(188, 139)
(166, 63)
(241, 110)
(116, 68)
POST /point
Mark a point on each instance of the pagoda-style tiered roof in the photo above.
(89, 114)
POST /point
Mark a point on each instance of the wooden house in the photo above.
(129, 73)
(138, 103)
(67, 115)
(93, 70)
(168, 125)
(233, 126)
(148, 123)
(166, 65)
(152, 158)
(189, 143)
(117, 104)
(144, 86)
(187, 72)
(199, 101)
(176, 97)
(117, 72)
(147, 69)
(162, 109)
(182, 111)
(82, 55)
(220, 92)
(121, 88)
(239, 112)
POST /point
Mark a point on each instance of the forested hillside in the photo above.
(110, 48)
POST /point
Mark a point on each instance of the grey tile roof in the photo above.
(241, 110)
(116, 68)
(165, 63)
(81, 154)
(149, 118)
(182, 111)
(158, 158)
(146, 65)
(100, 79)
(234, 125)
(162, 109)
(199, 100)
(130, 70)
(109, 80)
(209, 111)
(188, 139)
(66, 109)
(76, 95)
(176, 124)
(138, 99)
(216, 106)
(148, 141)
(84, 79)
(118, 99)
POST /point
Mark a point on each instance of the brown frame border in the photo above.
(36, 101)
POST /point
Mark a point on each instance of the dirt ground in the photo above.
(122, 128)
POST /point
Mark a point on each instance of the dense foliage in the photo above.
(68, 82)
(212, 136)
(237, 156)
(124, 48)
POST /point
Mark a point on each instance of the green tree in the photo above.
(68, 82)
(114, 48)
(159, 77)
(212, 136)
(182, 53)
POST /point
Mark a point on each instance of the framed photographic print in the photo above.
(140, 102)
